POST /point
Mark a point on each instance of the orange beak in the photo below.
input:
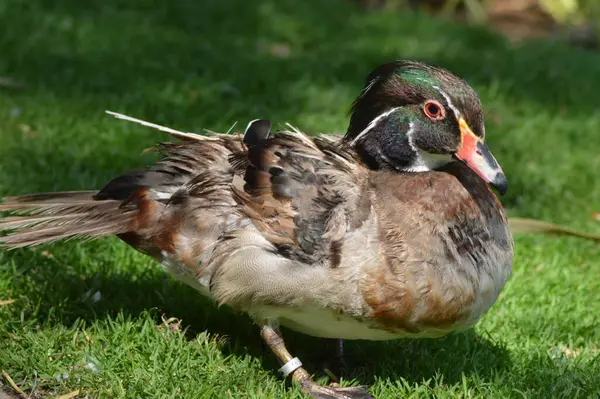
(474, 152)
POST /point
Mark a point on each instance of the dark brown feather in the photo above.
(302, 193)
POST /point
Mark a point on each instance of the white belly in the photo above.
(326, 323)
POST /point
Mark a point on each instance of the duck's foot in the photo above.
(292, 366)
(320, 392)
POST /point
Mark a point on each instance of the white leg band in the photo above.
(290, 367)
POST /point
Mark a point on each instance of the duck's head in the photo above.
(414, 117)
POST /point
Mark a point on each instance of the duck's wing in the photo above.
(240, 218)
(303, 193)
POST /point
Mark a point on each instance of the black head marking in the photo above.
(257, 131)
(390, 126)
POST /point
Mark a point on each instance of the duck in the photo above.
(390, 230)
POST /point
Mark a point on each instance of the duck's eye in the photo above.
(434, 110)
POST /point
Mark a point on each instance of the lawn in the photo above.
(89, 316)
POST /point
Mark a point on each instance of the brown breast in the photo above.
(446, 251)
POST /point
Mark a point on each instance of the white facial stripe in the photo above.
(250, 124)
(411, 129)
(384, 157)
(424, 160)
(371, 125)
(447, 97)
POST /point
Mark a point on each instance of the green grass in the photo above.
(194, 65)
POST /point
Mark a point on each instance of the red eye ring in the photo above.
(434, 110)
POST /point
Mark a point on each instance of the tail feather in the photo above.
(62, 196)
(23, 222)
(60, 209)
(42, 218)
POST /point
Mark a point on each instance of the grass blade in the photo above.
(524, 225)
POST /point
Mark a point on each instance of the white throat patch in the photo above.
(424, 161)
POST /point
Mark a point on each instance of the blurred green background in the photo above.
(96, 317)
(572, 21)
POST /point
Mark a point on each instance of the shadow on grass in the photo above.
(53, 291)
(195, 63)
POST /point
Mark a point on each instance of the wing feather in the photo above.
(302, 192)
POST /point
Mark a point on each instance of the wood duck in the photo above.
(389, 231)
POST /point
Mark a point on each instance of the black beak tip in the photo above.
(500, 183)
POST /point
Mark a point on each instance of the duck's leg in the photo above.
(333, 360)
(292, 366)
(339, 349)
(340, 358)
